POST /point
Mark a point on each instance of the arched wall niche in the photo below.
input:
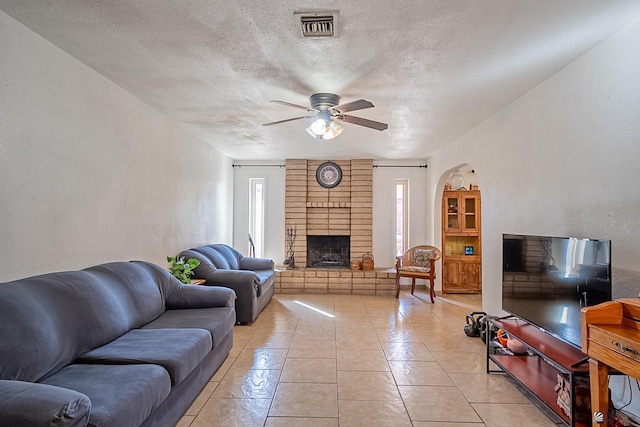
(470, 176)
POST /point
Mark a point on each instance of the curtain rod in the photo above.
(375, 166)
(399, 166)
(246, 166)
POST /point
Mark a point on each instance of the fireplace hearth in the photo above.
(328, 251)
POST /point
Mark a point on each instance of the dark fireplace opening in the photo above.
(328, 251)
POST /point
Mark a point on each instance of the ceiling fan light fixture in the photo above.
(310, 132)
(334, 129)
(328, 132)
(319, 127)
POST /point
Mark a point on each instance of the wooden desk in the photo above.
(611, 338)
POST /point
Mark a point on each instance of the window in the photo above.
(402, 215)
(257, 188)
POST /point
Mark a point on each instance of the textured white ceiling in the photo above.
(433, 68)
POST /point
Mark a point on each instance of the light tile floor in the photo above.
(347, 360)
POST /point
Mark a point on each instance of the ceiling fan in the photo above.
(325, 107)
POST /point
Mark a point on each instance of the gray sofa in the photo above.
(119, 344)
(251, 278)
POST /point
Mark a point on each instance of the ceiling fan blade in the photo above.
(293, 105)
(287, 120)
(360, 104)
(364, 122)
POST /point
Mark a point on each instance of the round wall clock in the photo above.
(329, 175)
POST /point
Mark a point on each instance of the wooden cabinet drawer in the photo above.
(616, 339)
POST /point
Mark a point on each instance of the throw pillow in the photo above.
(421, 257)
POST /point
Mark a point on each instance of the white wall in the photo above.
(89, 173)
(274, 174)
(562, 160)
(384, 207)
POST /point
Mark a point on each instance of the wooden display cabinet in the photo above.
(461, 242)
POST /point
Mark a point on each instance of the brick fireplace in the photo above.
(345, 210)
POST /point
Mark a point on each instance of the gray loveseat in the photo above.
(251, 278)
(119, 344)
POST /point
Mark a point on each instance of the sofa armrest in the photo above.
(244, 283)
(234, 279)
(25, 404)
(249, 263)
(189, 296)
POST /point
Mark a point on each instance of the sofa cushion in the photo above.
(179, 351)
(121, 395)
(255, 264)
(206, 261)
(58, 316)
(218, 321)
(222, 256)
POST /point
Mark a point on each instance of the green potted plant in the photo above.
(181, 269)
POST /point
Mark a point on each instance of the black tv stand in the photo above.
(548, 359)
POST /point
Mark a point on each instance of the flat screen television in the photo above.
(547, 280)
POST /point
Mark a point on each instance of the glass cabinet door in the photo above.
(452, 213)
(470, 217)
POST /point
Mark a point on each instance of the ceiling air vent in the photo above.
(320, 24)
